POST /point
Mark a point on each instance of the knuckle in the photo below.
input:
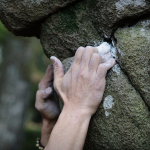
(80, 49)
(83, 75)
(92, 49)
(89, 48)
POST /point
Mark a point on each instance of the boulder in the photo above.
(88, 22)
(133, 47)
(23, 17)
(122, 120)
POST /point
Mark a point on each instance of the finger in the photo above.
(47, 80)
(58, 71)
(43, 94)
(86, 56)
(94, 62)
(109, 64)
(78, 56)
(104, 67)
(106, 57)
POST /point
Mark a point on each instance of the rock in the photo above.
(23, 17)
(124, 125)
(88, 22)
(82, 23)
(133, 46)
(122, 120)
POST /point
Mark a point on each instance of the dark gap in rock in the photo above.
(108, 40)
(112, 40)
(130, 20)
(133, 85)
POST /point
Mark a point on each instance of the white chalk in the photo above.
(104, 48)
(108, 104)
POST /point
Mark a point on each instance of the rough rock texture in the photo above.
(134, 56)
(23, 17)
(126, 125)
(123, 118)
(87, 22)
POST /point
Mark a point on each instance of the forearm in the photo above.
(70, 131)
(46, 130)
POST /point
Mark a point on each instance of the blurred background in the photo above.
(22, 66)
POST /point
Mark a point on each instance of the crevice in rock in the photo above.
(129, 21)
(133, 85)
(114, 40)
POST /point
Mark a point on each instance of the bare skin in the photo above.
(81, 90)
(47, 104)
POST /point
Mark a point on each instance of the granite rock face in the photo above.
(122, 120)
(23, 17)
(133, 46)
(64, 25)
(88, 22)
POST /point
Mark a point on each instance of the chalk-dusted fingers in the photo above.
(47, 80)
(42, 96)
(86, 57)
(78, 56)
(96, 59)
(106, 57)
(104, 67)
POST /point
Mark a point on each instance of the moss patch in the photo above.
(68, 20)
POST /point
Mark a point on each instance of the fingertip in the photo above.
(53, 59)
(45, 93)
(113, 62)
(48, 91)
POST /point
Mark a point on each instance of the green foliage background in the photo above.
(39, 63)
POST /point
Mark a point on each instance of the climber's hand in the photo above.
(82, 87)
(46, 97)
(47, 104)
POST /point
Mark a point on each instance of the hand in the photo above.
(47, 102)
(82, 87)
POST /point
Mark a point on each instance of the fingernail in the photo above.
(53, 59)
(48, 90)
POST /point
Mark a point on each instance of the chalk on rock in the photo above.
(104, 48)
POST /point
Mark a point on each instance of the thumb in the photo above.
(58, 70)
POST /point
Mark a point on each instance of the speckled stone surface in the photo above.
(88, 22)
(24, 17)
(133, 46)
(122, 121)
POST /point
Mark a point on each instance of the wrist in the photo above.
(47, 127)
(49, 122)
(78, 109)
(76, 113)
